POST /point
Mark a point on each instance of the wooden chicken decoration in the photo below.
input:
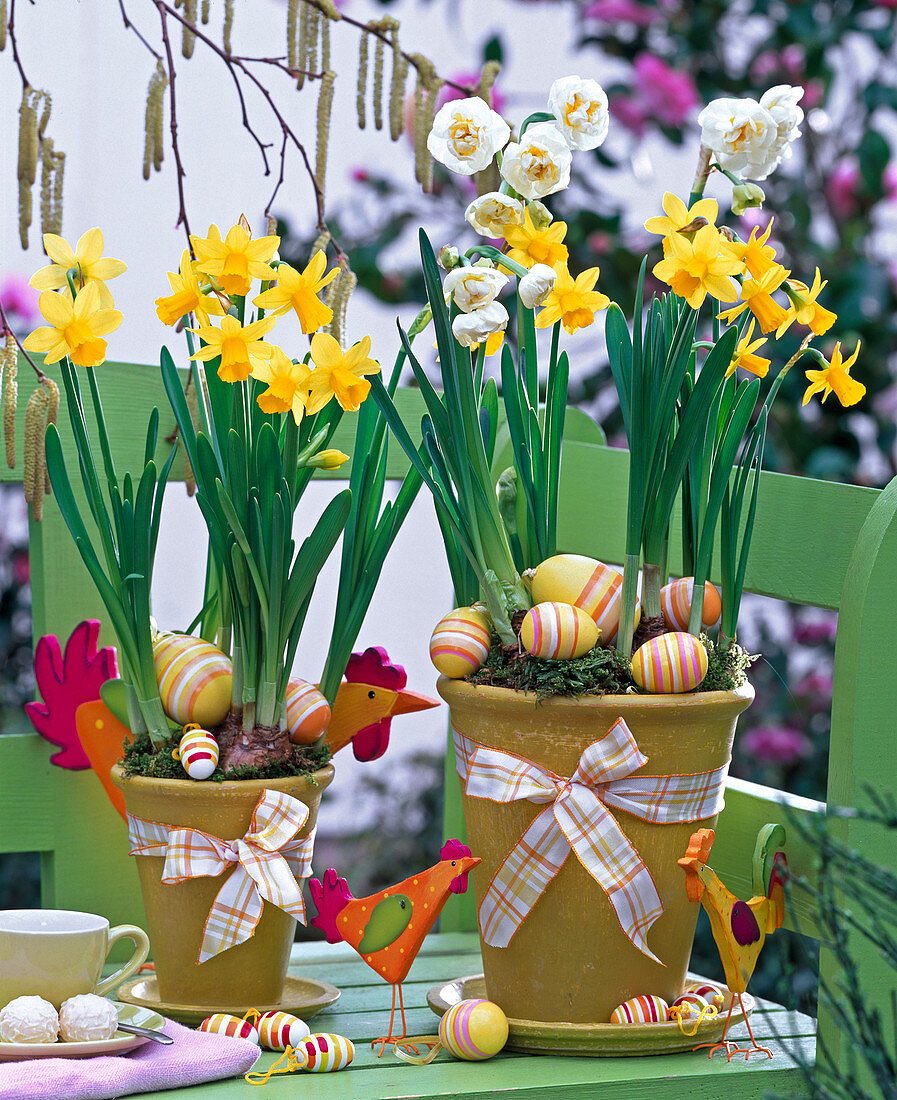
(739, 927)
(387, 929)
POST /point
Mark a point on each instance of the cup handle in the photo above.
(141, 950)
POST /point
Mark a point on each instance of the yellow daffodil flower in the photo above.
(240, 347)
(298, 291)
(287, 384)
(678, 215)
(75, 328)
(86, 262)
(744, 355)
(835, 378)
(338, 374)
(331, 459)
(756, 295)
(697, 267)
(573, 302)
(805, 309)
(235, 261)
(756, 255)
(187, 298)
(536, 246)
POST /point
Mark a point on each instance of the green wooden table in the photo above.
(362, 1013)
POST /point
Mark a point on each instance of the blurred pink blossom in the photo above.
(816, 686)
(841, 187)
(890, 181)
(18, 298)
(885, 3)
(782, 745)
(621, 11)
(359, 174)
(661, 94)
(630, 113)
(756, 217)
(814, 94)
(816, 631)
(599, 242)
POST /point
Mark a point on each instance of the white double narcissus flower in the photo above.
(539, 164)
(781, 102)
(536, 285)
(490, 213)
(580, 106)
(742, 136)
(466, 135)
(474, 328)
(473, 287)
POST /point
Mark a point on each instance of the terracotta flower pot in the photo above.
(570, 960)
(252, 972)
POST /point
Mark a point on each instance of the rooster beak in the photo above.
(407, 702)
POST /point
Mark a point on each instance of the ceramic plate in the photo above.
(301, 996)
(120, 1043)
(599, 1040)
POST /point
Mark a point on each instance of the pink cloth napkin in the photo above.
(193, 1057)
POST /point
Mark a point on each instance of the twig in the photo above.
(175, 148)
(41, 377)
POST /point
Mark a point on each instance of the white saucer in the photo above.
(120, 1043)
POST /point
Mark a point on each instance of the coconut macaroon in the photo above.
(29, 1020)
(87, 1018)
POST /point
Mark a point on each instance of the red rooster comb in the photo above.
(454, 849)
(374, 667)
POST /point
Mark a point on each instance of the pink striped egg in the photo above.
(308, 712)
(557, 631)
(695, 1002)
(672, 663)
(473, 1030)
(587, 583)
(198, 753)
(707, 991)
(460, 642)
(278, 1030)
(222, 1023)
(194, 678)
(324, 1053)
(646, 1009)
(676, 599)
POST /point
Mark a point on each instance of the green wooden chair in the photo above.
(832, 546)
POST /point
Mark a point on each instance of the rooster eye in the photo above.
(453, 863)
(372, 695)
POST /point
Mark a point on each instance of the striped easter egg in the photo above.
(707, 991)
(587, 583)
(675, 603)
(695, 1002)
(278, 1030)
(473, 1030)
(460, 642)
(194, 679)
(671, 663)
(324, 1053)
(308, 712)
(222, 1023)
(198, 753)
(557, 631)
(646, 1009)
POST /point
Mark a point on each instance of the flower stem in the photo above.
(702, 173)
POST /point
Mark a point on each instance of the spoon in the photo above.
(145, 1032)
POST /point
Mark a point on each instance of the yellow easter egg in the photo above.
(587, 583)
(557, 631)
(671, 663)
(324, 1052)
(675, 603)
(474, 1030)
(308, 712)
(194, 678)
(460, 642)
(646, 1009)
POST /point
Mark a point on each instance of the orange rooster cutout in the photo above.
(387, 929)
(739, 927)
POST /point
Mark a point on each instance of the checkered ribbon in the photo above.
(578, 818)
(268, 862)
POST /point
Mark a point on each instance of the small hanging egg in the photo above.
(460, 642)
(278, 1030)
(197, 752)
(671, 663)
(474, 1030)
(195, 679)
(694, 1000)
(557, 631)
(325, 1053)
(646, 1009)
(707, 991)
(308, 712)
(222, 1023)
(675, 603)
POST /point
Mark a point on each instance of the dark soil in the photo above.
(140, 758)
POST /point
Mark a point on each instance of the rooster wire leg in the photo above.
(731, 1048)
(390, 1038)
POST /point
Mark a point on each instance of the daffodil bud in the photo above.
(331, 459)
(474, 328)
(539, 214)
(536, 285)
(421, 321)
(449, 257)
(745, 195)
(506, 492)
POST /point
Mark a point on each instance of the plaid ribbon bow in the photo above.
(578, 818)
(269, 860)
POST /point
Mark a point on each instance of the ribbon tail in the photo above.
(233, 917)
(274, 880)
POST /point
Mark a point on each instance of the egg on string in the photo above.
(670, 664)
(474, 1030)
(694, 1000)
(460, 643)
(279, 1030)
(195, 679)
(586, 583)
(707, 991)
(676, 599)
(557, 631)
(308, 712)
(197, 751)
(645, 1009)
(324, 1052)
(223, 1023)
